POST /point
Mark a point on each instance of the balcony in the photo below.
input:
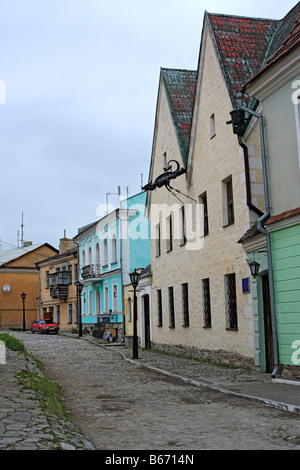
(90, 271)
(59, 292)
(58, 283)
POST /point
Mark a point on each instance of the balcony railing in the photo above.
(90, 271)
(59, 292)
(58, 283)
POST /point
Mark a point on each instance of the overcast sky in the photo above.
(81, 80)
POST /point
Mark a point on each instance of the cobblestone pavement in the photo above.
(118, 405)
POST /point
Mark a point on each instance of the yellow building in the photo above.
(58, 295)
(18, 274)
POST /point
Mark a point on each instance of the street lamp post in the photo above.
(23, 295)
(134, 278)
(79, 290)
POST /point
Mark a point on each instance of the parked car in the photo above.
(44, 326)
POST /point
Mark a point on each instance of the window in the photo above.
(185, 304)
(169, 230)
(70, 274)
(206, 303)
(90, 256)
(97, 301)
(171, 308)
(47, 280)
(90, 302)
(203, 201)
(83, 258)
(157, 240)
(57, 313)
(228, 210)
(75, 313)
(212, 126)
(129, 314)
(105, 252)
(84, 303)
(70, 313)
(182, 226)
(230, 286)
(115, 298)
(114, 248)
(75, 271)
(106, 299)
(165, 161)
(159, 308)
(97, 255)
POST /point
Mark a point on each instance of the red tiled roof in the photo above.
(283, 215)
(180, 87)
(286, 37)
(241, 45)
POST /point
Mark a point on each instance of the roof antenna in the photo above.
(22, 230)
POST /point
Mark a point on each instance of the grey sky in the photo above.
(81, 82)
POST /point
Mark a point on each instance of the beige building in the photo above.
(201, 300)
(57, 298)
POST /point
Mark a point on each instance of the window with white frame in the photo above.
(106, 299)
(105, 252)
(114, 249)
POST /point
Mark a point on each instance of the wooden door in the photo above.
(267, 324)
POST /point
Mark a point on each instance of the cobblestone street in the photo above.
(119, 406)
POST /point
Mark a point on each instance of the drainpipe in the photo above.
(260, 225)
(247, 177)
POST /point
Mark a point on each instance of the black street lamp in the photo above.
(254, 268)
(79, 290)
(23, 295)
(134, 279)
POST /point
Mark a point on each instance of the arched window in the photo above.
(114, 249)
(105, 252)
(90, 255)
(97, 254)
(83, 257)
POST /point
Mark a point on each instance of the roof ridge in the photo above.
(178, 69)
(242, 17)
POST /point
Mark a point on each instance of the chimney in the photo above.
(66, 244)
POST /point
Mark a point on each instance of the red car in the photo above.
(44, 326)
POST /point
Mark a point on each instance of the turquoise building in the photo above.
(108, 250)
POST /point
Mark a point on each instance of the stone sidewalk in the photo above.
(23, 425)
(235, 382)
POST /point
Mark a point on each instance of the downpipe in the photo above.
(260, 225)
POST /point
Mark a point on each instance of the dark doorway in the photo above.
(147, 321)
(267, 323)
